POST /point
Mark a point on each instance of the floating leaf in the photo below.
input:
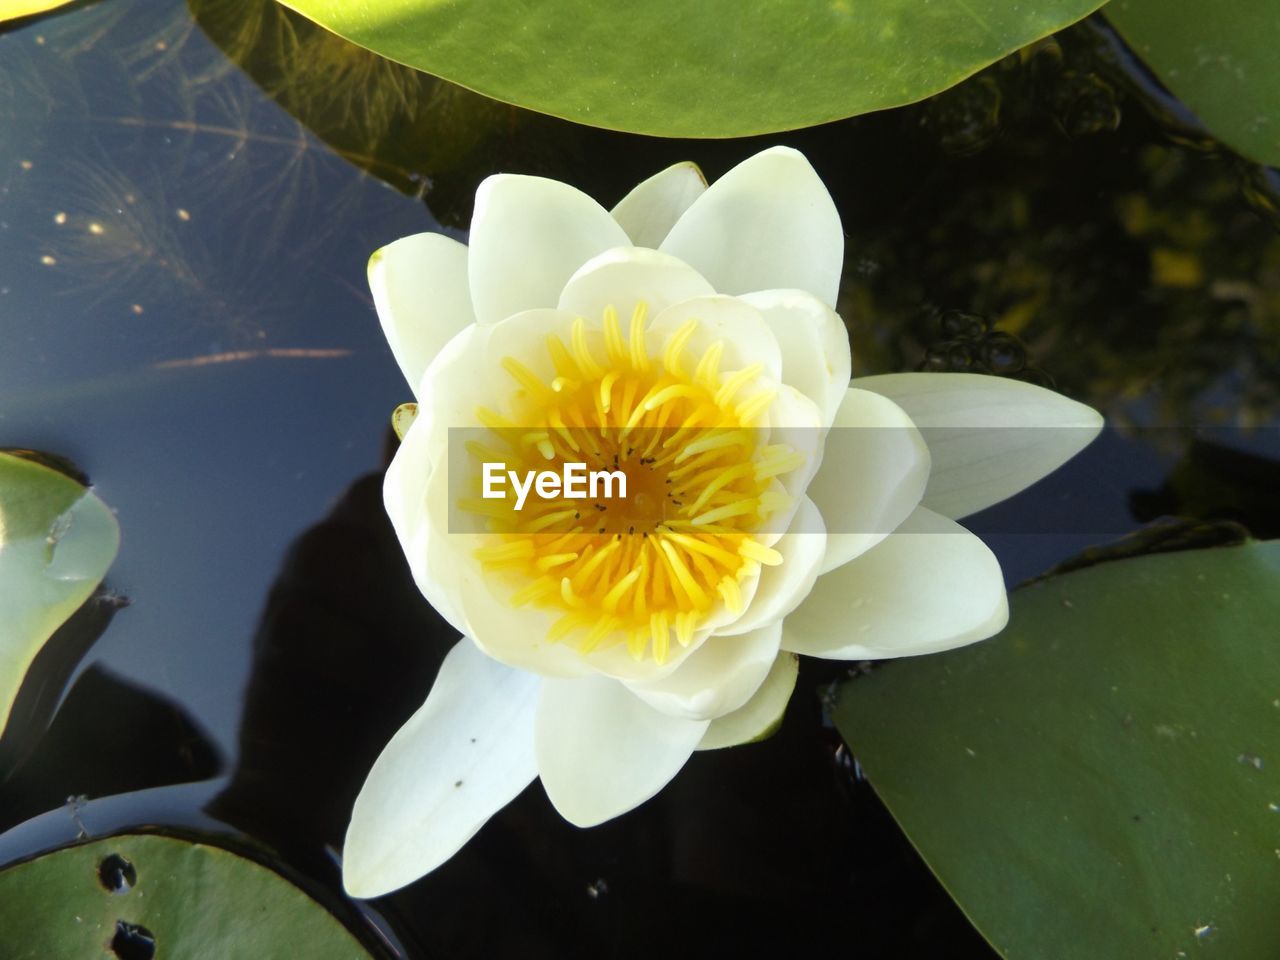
(139, 896)
(1225, 67)
(56, 542)
(717, 68)
(1103, 778)
(13, 9)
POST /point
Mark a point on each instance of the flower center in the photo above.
(652, 565)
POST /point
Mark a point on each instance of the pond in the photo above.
(189, 194)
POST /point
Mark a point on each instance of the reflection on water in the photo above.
(156, 210)
(188, 196)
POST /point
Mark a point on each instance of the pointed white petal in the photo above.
(625, 276)
(528, 237)
(463, 756)
(768, 223)
(602, 752)
(434, 418)
(930, 586)
(794, 421)
(421, 292)
(990, 437)
(874, 469)
(649, 211)
(760, 715)
(405, 495)
(718, 678)
(814, 344)
(783, 587)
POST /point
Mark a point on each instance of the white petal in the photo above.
(814, 344)
(648, 212)
(767, 224)
(515, 635)
(795, 421)
(622, 277)
(462, 757)
(718, 678)
(874, 469)
(474, 600)
(761, 715)
(602, 752)
(739, 326)
(782, 587)
(930, 586)
(470, 375)
(990, 437)
(421, 292)
(405, 497)
(528, 237)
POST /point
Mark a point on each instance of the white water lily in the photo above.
(599, 653)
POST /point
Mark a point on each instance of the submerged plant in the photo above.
(687, 340)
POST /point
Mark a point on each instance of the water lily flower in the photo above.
(688, 338)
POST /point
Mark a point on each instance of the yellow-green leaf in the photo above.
(12, 9)
(57, 540)
(712, 68)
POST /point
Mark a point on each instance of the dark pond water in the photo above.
(188, 197)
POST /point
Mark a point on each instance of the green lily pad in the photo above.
(15, 9)
(190, 901)
(715, 68)
(1102, 779)
(57, 540)
(1224, 66)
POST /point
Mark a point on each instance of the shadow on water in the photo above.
(744, 847)
(759, 845)
(109, 737)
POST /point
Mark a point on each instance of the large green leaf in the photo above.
(712, 68)
(190, 901)
(13, 9)
(56, 542)
(1224, 65)
(1101, 780)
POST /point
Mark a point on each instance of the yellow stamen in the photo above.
(639, 355)
(528, 379)
(586, 363)
(672, 356)
(613, 345)
(758, 552)
(646, 571)
(736, 382)
(708, 371)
